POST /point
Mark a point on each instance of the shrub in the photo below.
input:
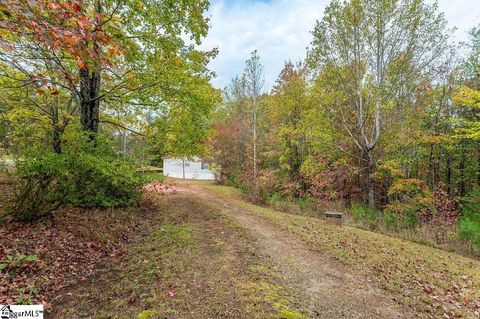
(260, 189)
(361, 214)
(84, 175)
(43, 183)
(105, 182)
(394, 221)
(411, 199)
(444, 212)
(386, 220)
(469, 225)
(328, 180)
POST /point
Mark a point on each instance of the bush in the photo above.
(83, 175)
(43, 183)
(394, 221)
(260, 189)
(386, 220)
(411, 200)
(361, 214)
(104, 182)
(469, 225)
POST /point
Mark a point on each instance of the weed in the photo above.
(146, 314)
(13, 264)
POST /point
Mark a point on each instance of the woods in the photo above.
(382, 112)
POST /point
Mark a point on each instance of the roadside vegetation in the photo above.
(85, 98)
(87, 90)
(41, 258)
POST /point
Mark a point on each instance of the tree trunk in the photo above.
(57, 132)
(478, 163)
(183, 167)
(436, 172)
(431, 168)
(449, 174)
(89, 101)
(462, 172)
(371, 181)
(57, 143)
(255, 138)
(90, 88)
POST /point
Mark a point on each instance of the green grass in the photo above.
(433, 281)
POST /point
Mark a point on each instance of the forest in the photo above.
(380, 122)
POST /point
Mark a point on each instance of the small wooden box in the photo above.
(334, 217)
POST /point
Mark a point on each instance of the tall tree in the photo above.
(233, 136)
(254, 82)
(375, 48)
(287, 112)
(468, 97)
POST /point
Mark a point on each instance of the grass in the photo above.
(435, 283)
(442, 237)
(194, 262)
(6, 157)
(438, 235)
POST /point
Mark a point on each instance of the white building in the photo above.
(188, 169)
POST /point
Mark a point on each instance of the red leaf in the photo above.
(8, 47)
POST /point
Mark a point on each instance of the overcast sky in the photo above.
(280, 31)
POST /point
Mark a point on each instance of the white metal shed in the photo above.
(187, 168)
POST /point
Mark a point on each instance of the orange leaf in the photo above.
(80, 63)
(70, 40)
(53, 6)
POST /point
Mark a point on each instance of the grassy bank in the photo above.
(436, 283)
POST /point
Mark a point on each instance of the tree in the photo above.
(375, 48)
(287, 113)
(228, 144)
(124, 54)
(467, 97)
(253, 75)
(183, 129)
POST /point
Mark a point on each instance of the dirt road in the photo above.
(332, 291)
(206, 253)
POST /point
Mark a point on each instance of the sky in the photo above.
(280, 31)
